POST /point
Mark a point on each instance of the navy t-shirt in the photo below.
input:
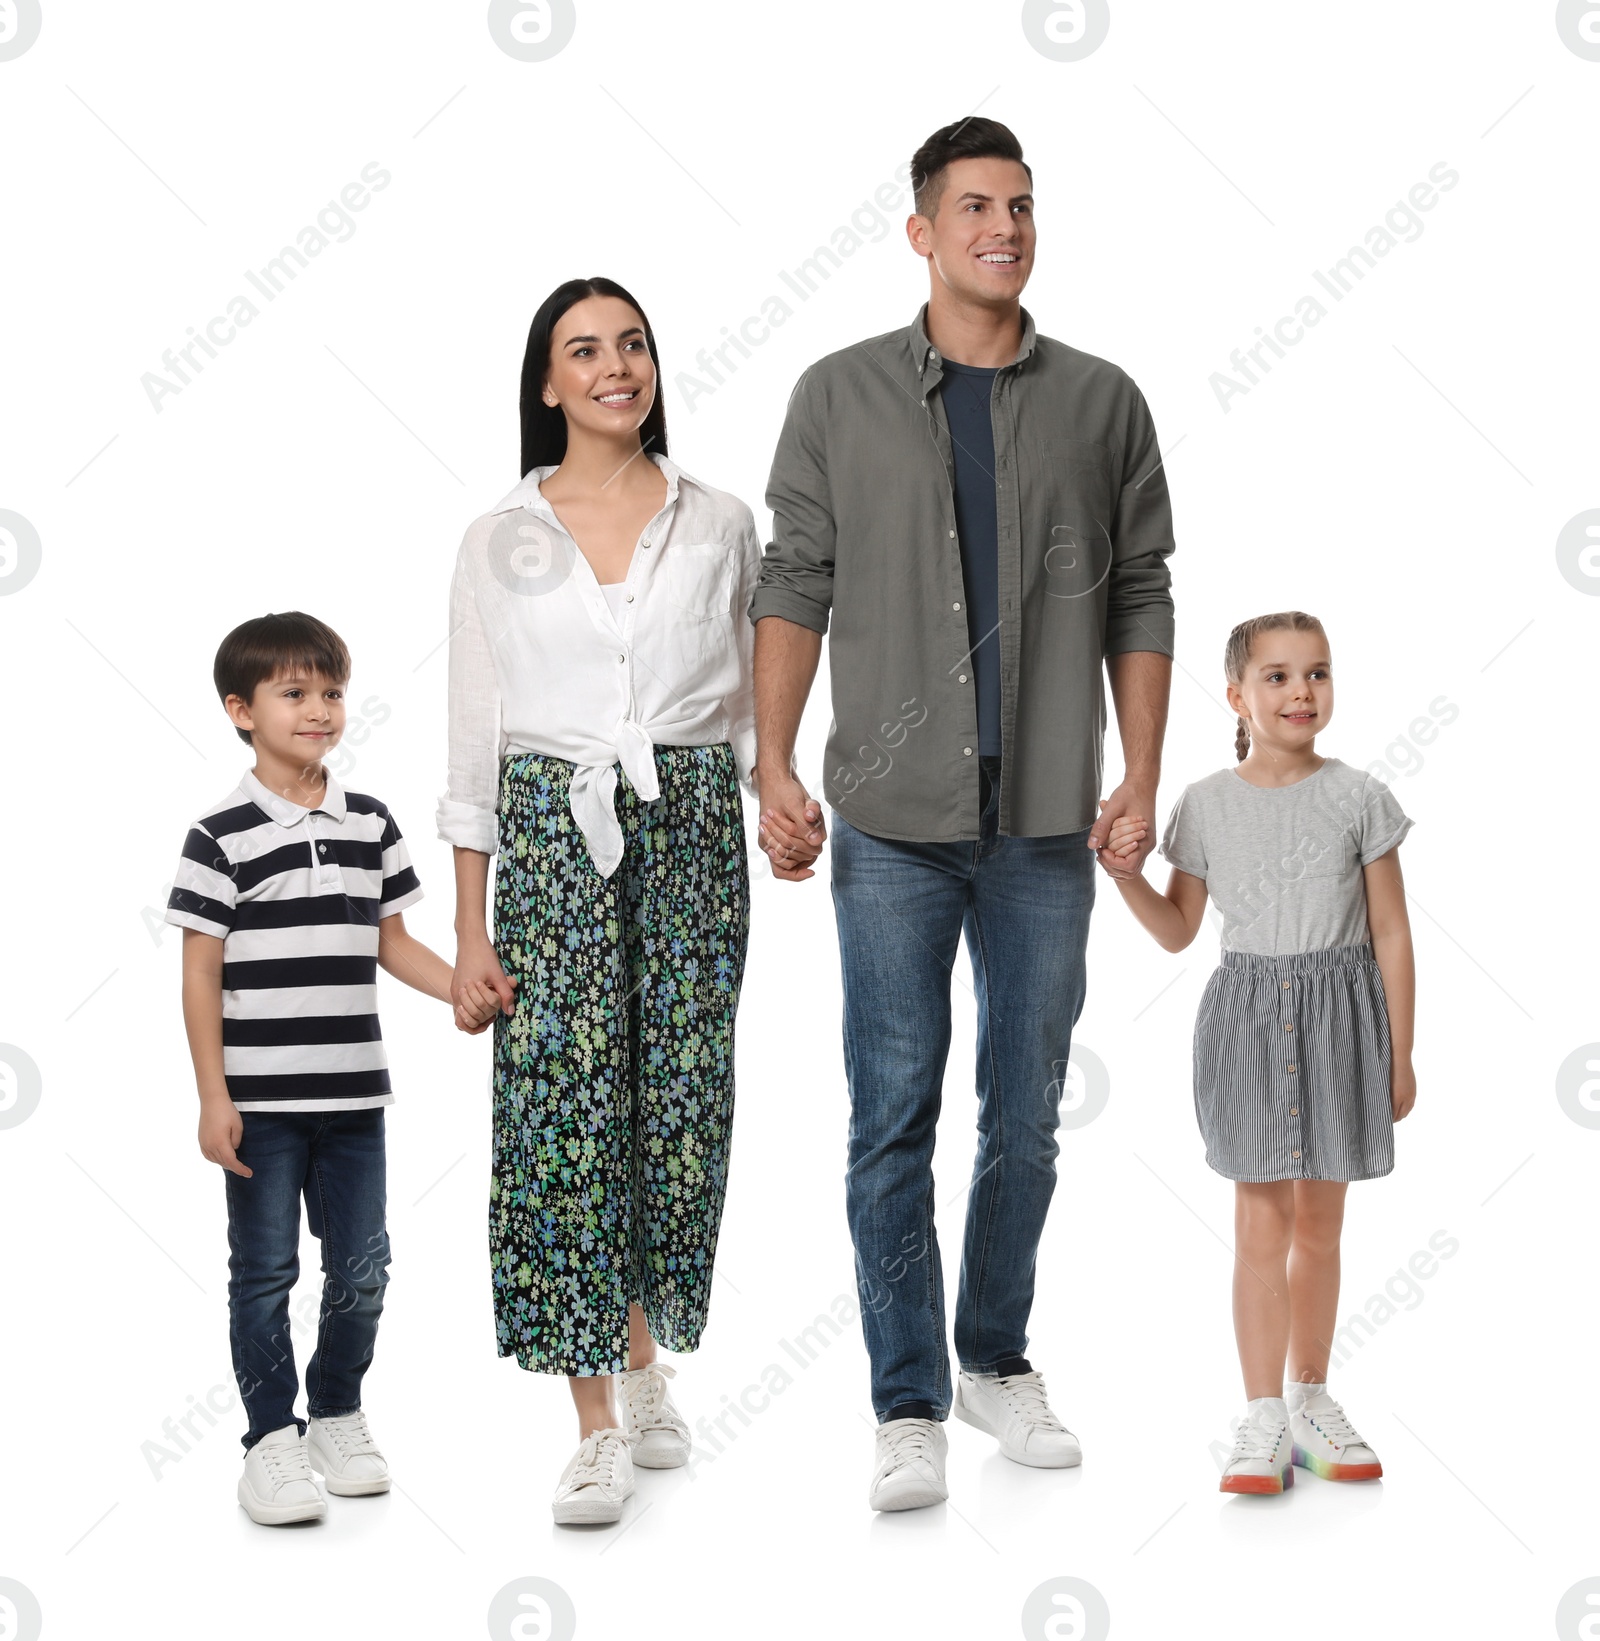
(967, 391)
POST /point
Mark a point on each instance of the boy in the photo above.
(290, 894)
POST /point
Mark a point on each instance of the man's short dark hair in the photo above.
(269, 646)
(973, 138)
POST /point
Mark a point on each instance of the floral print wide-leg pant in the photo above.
(613, 1081)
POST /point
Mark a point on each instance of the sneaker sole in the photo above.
(588, 1512)
(279, 1515)
(1259, 1484)
(1336, 1472)
(916, 1498)
(661, 1458)
(1034, 1461)
(343, 1489)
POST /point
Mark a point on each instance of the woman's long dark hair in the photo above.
(544, 427)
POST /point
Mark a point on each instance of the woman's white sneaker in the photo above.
(277, 1486)
(1015, 1408)
(597, 1482)
(343, 1450)
(909, 1457)
(1325, 1442)
(1260, 1462)
(657, 1433)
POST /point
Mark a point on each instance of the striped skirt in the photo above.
(1292, 1066)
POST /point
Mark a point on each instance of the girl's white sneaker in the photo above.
(597, 1482)
(657, 1433)
(1261, 1461)
(343, 1450)
(1326, 1443)
(277, 1486)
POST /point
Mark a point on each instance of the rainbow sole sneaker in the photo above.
(1262, 1459)
(1328, 1445)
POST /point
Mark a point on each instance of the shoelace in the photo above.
(1335, 1425)
(285, 1462)
(1024, 1394)
(910, 1444)
(351, 1436)
(1254, 1440)
(596, 1461)
(645, 1396)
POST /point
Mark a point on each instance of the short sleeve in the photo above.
(1383, 822)
(204, 893)
(400, 885)
(1182, 843)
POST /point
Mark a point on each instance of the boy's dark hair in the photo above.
(973, 138)
(264, 648)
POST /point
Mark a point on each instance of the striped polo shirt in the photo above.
(295, 896)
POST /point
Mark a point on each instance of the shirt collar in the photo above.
(286, 813)
(930, 364)
(526, 494)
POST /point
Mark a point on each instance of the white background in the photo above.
(1404, 474)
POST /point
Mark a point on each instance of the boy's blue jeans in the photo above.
(901, 908)
(335, 1160)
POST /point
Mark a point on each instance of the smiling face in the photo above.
(1286, 694)
(600, 372)
(979, 241)
(296, 718)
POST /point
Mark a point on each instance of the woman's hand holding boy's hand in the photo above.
(476, 1005)
(221, 1129)
(479, 987)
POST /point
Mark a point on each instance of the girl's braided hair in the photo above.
(1241, 645)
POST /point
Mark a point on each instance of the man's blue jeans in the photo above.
(335, 1161)
(901, 908)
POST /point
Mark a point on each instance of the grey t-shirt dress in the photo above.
(1291, 1043)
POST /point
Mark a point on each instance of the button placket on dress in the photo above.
(1291, 1074)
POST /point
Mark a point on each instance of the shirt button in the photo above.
(1295, 1155)
(962, 679)
(952, 535)
(1294, 1111)
(645, 542)
(967, 751)
(1288, 1025)
(322, 848)
(628, 599)
(956, 606)
(1290, 1068)
(622, 658)
(1286, 985)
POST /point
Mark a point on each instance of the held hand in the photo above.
(1403, 1089)
(1124, 804)
(479, 984)
(791, 830)
(221, 1129)
(478, 1007)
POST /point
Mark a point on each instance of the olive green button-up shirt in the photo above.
(864, 532)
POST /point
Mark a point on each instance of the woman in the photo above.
(601, 720)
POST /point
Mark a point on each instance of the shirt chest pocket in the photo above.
(1066, 503)
(1320, 854)
(692, 596)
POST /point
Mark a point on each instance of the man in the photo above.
(983, 513)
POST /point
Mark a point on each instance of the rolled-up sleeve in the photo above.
(467, 814)
(741, 704)
(797, 572)
(1139, 590)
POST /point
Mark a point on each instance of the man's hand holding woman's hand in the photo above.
(791, 830)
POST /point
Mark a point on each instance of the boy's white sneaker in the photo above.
(909, 1469)
(1015, 1409)
(277, 1486)
(343, 1450)
(1261, 1461)
(597, 1482)
(657, 1433)
(1325, 1442)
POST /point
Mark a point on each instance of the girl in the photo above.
(1302, 1046)
(601, 721)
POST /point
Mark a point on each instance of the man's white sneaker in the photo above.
(656, 1430)
(343, 1450)
(1015, 1409)
(277, 1485)
(1260, 1462)
(1326, 1443)
(910, 1465)
(598, 1480)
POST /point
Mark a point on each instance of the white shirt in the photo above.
(540, 663)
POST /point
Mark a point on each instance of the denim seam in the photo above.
(325, 1320)
(998, 1109)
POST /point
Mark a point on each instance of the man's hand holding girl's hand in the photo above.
(1119, 854)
